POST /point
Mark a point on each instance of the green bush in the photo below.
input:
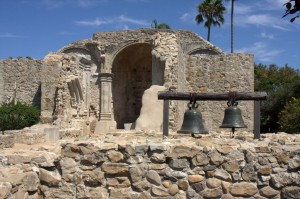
(289, 117)
(18, 116)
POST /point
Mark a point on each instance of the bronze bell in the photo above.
(192, 121)
(233, 117)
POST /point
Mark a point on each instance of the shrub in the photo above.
(18, 116)
(289, 117)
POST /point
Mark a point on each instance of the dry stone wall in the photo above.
(25, 76)
(142, 165)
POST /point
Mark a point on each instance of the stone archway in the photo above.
(132, 70)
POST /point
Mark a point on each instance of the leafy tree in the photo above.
(212, 12)
(281, 84)
(292, 7)
(155, 25)
(289, 117)
(18, 116)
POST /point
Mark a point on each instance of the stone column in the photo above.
(106, 122)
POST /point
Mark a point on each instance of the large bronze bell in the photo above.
(233, 117)
(192, 121)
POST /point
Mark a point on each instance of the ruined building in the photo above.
(96, 85)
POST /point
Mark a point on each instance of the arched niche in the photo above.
(132, 75)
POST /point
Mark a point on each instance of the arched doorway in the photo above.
(132, 70)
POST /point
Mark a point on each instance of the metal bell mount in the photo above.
(192, 121)
(233, 115)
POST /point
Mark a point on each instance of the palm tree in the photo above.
(231, 22)
(212, 11)
(155, 25)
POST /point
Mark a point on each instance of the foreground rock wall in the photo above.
(145, 166)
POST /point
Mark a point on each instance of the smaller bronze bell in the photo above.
(233, 117)
(192, 121)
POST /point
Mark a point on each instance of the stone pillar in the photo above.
(106, 122)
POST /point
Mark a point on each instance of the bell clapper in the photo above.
(232, 132)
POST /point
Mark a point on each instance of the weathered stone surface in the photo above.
(166, 183)
(268, 192)
(120, 193)
(262, 149)
(200, 186)
(158, 157)
(213, 183)
(281, 179)
(222, 175)
(294, 164)
(249, 173)
(135, 173)
(45, 160)
(291, 192)
(50, 178)
(135, 159)
(145, 195)
(68, 165)
(231, 166)
(158, 146)
(5, 188)
(212, 193)
(283, 158)
(118, 182)
(153, 177)
(115, 168)
(18, 159)
(183, 184)
(7, 141)
(227, 196)
(31, 181)
(151, 115)
(173, 189)
(226, 186)
(159, 191)
(216, 158)
(243, 189)
(93, 178)
(265, 170)
(200, 159)
(141, 148)
(115, 156)
(195, 178)
(141, 185)
(157, 166)
(98, 192)
(183, 151)
(179, 163)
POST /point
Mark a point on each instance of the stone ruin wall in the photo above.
(220, 73)
(25, 74)
(143, 166)
(179, 58)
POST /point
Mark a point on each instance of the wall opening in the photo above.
(132, 69)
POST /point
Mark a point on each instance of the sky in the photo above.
(37, 27)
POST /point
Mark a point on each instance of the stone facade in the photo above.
(24, 75)
(143, 165)
(96, 85)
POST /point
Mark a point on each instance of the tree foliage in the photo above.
(156, 25)
(18, 116)
(212, 12)
(281, 85)
(292, 8)
(289, 118)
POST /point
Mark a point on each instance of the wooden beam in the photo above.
(171, 95)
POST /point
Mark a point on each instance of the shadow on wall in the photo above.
(36, 101)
